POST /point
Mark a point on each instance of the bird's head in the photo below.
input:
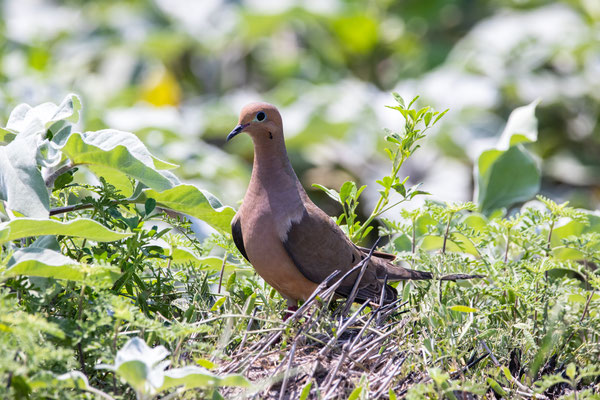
(261, 121)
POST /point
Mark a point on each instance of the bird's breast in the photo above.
(261, 234)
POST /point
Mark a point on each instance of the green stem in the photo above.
(383, 199)
(446, 233)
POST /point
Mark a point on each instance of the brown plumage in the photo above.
(292, 243)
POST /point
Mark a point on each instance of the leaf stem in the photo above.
(50, 180)
(446, 233)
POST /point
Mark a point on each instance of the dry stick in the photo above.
(362, 331)
(340, 331)
(468, 366)
(381, 298)
(333, 373)
(75, 207)
(222, 271)
(485, 346)
(293, 317)
(388, 379)
(287, 372)
(250, 321)
(365, 263)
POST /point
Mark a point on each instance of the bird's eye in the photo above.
(260, 116)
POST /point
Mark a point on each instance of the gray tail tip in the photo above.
(457, 277)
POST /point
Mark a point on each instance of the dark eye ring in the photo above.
(260, 116)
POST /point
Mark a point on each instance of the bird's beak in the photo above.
(236, 131)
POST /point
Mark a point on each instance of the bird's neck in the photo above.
(272, 168)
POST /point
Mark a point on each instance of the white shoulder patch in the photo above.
(284, 223)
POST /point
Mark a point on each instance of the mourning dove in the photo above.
(291, 243)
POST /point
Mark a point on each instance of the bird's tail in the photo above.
(398, 273)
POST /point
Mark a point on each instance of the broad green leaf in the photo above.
(475, 221)
(505, 178)
(122, 151)
(81, 227)
(463, 309)
(521, 127)
(402, 243)
(139, 375)
(4, 233)
(21, 183)
(118, 179)
(573, 228)
(197, 377)
(74, 379)
(183, 255)
(28, 120)
(47, 263)
(464, 243)
(190, 200)
(423, 222)
(6, 136)
(140, 366)
(204, 363)
(357, 33)
(576, 298)
(461, 244)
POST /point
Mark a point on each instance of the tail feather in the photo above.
(398, 273)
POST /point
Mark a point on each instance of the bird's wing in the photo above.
(236, 233)
(318, 247)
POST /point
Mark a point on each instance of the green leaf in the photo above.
(118, 179)
(190, 200)
(476, 221)
(347, 190)
(398, 98)
(204, 363)
(197, 377)
(573, 228)
(505, 178)
(571, 371)
(330, 192)
(121, 151)
(28, 120)
(306, 390)
(521, 127)
(75, 380)
(413, 101)
(463, 309)
(46, 263)
(6, 136)
(461, 244)
(4, 233)
(81, 227)
(149, 206)
(218, 303)
(21, 183)
(496, 387)
(357, 33)
(355, 393)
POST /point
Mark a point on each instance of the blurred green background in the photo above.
(177, 72)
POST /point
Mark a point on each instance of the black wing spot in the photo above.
(270, 136)
(353, 258)
(238, 239)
